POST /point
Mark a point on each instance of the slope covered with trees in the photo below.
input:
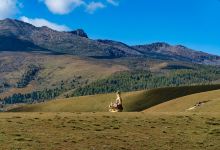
(28, 76)
(138, 80)
(132, 101)
(123, 81)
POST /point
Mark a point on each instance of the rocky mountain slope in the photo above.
(178, 52)
(19, 36)
(16, 35)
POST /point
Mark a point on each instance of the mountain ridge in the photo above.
(16, 35)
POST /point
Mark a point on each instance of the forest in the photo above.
(123, 81)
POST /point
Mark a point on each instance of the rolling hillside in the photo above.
(72, 64)
(210, 102)
(54, 69)
(133, 101)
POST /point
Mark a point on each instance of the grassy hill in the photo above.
(54, 69)
(67, 76)
(210, 103)
(133, 101)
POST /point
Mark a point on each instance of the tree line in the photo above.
(28, 76)
(122, 81)
(139, 80)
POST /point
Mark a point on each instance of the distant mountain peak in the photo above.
(7, 19)
(181, 46)
(16, 35)
(14, 21)
(80, 32)
(160, 44)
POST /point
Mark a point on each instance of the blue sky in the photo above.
(193, 23)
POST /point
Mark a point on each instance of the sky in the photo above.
(192, 23)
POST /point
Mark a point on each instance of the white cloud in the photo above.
(8, 8)
(93, 6)
(39, 22)
(62, 6)
(113, 2)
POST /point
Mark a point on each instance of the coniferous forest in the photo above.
(122, 81)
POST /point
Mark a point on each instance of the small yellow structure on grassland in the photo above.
(117, 105)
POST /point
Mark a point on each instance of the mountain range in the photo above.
(16, 35)
(42, 61)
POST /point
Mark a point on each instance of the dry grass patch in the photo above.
(109, 131)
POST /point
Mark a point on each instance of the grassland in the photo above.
(62, 124)
(132, 101)
(107, 131)
(83, 123)
(210, 99)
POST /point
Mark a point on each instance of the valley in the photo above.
(39, 64)
(56, 87)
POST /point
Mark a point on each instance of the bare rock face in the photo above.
(80, 32)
